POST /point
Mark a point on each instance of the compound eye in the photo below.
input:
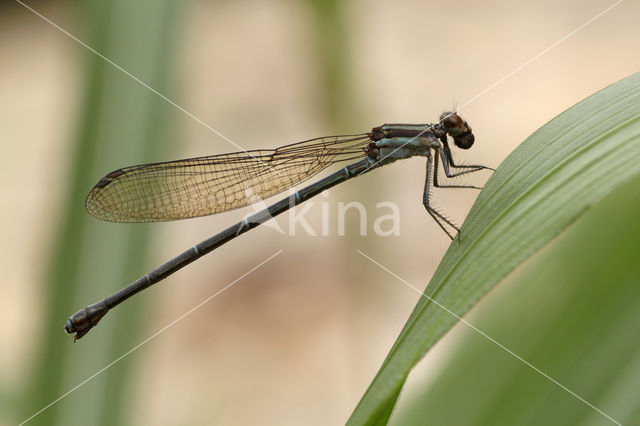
(464, 140)
(452, 122)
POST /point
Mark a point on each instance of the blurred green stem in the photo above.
(121, 123)
(332, 45)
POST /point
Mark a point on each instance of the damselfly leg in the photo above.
(438, 217)
(447, 158)
(432, 174)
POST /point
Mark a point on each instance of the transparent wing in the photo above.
(206, 185)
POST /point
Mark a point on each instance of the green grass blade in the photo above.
(573, 312)
(119, 123)
(543, 187)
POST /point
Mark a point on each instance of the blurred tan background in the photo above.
(299, 339)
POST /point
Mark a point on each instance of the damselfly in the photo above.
(206, 185)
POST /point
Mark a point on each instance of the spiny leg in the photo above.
(440, 219)
(447, 159)
(447, 172)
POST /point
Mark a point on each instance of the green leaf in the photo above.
(542, 188)
(573, 312)
(119, 122)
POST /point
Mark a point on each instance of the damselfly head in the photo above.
(458, 129)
